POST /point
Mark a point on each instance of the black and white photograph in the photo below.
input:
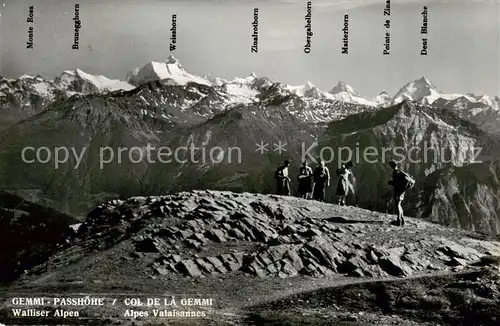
(248, 163)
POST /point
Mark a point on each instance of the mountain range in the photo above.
(35, 91)
(161, 104)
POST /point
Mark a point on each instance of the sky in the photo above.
(215, 37)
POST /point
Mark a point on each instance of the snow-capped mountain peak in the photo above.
(307, 89)
(170, 69)
(381, 98)
(29, 77)
(346, 93)
(423, 91)
(420, 90)
(491, 102)
(75, 80)
(424, 81)
(250, 79)
(342, 87)
(215, 81)
(171, 60)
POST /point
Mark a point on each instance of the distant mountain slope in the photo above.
(486, 116)
(100, 124)
(467, 197)
(92, 130)
(29, 233)
(29, 95)
(238, 133)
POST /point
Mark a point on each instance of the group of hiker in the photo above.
(312, 184)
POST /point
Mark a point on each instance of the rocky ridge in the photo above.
(210, 233)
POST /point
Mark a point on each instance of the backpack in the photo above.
(305, 171)
(407, 181)
(278, 174)
(321, 171)
(343, 172)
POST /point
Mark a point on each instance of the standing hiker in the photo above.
(305, 180)
(345, 184)
(282, 179)
(401, 182)
(321, 181)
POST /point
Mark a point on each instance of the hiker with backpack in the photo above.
(401, 182)
(321, 178)
(282, 179)
(305, 180)
(345, 185)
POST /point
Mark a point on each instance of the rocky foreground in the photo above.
(209, 233)
(249, 250)
(466, 298)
